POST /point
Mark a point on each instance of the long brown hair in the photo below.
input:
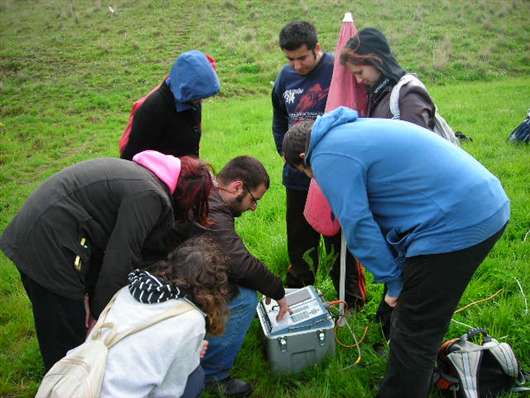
(349, 56)
(370, 47)
(199, 268)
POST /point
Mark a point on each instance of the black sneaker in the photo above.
(230, 387)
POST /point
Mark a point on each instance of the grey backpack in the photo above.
(522, 132)
(80, 373)
(468, 370)
(441, 127)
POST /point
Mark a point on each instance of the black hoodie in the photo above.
(371, 41)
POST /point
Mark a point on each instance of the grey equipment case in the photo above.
(304, 338)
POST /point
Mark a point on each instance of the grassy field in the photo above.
(70, 70)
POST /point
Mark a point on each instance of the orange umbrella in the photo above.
(343, 91)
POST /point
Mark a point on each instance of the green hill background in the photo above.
(70, 71)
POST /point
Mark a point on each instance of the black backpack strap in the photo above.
(524, 378)
(522, 132)
(474, 332)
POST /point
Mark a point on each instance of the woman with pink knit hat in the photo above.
(85, 228)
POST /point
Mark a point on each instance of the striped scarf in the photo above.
(149, 289)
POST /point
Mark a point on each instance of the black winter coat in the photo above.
(158, 126)
(122, 210)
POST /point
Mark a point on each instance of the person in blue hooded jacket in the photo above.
(169, 121)
(419, 212)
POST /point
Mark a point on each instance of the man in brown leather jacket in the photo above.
(240, 185)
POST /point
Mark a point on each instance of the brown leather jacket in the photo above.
(415, 106)
(245, 269)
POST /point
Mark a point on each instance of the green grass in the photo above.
(68, 77)
(470, 107)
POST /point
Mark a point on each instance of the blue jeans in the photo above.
(223, 350)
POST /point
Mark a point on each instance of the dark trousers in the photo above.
(194, 384)
(301, 238)
(433, 286)
(59, 321)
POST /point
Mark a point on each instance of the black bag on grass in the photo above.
(522, 132)
(469, 370)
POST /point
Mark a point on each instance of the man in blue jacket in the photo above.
(420, 226)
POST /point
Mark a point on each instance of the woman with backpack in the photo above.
(368, 56)
(89, 225)
(152, 331)
(166, 356)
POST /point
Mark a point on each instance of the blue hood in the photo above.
(192, 77)
(328, 121)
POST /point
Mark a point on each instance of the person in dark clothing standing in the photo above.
(89, 225)
(300, 93)
(169, 121)
(241, 183)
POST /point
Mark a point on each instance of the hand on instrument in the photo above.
(284, 308)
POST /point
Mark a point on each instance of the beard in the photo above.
(236, 206)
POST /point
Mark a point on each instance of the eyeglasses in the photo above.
(254, 200)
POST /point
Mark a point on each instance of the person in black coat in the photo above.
(169, 121)
(89, 225)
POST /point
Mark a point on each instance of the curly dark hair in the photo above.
(199, 268)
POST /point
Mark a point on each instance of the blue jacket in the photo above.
(167, 121)
(400, 191)
(192, 77)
